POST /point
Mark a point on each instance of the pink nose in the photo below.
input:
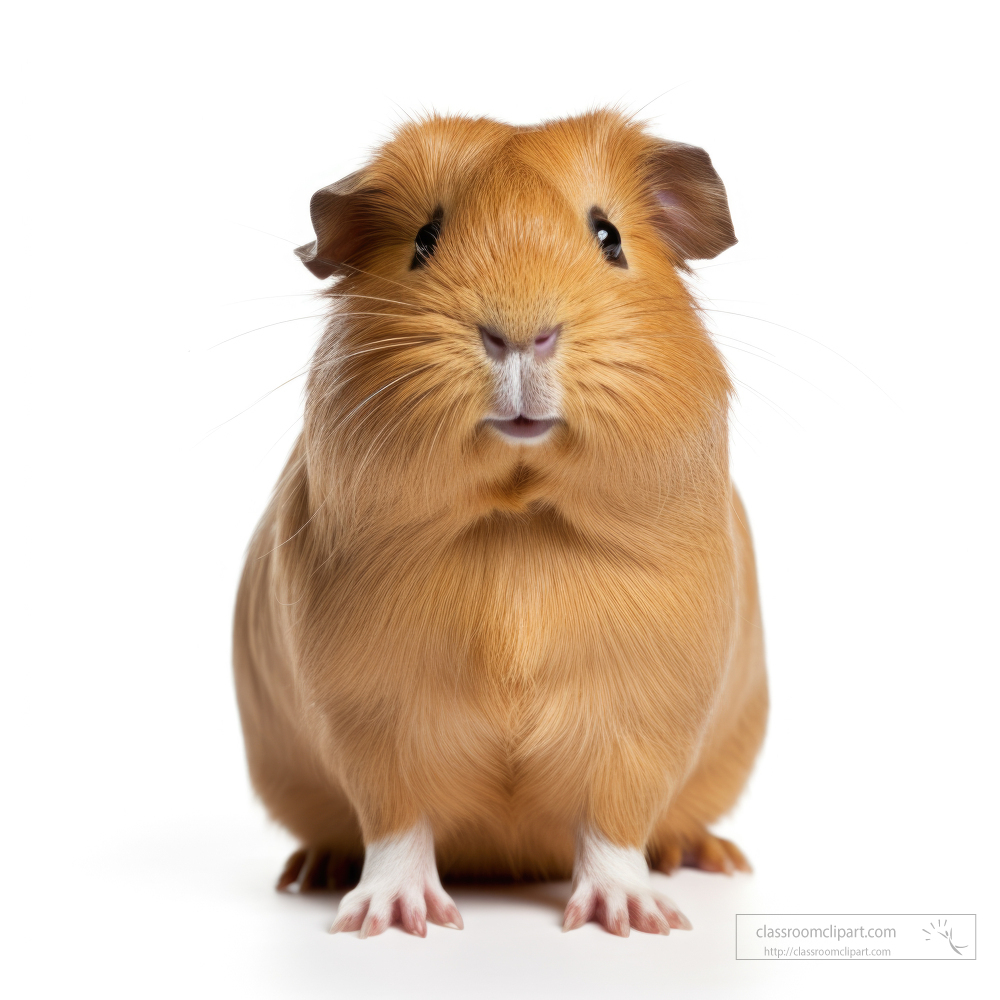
(497, 346)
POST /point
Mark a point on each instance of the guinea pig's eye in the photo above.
(425, 242)
(610, 240)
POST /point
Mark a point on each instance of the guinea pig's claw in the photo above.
(578, 912)
(611, 885)
(619, 911)
(289, 878)
(372, 913)
(443, 911)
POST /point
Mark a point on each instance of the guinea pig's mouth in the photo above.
(521, 427)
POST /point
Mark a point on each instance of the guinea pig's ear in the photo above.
(692, 209)
(338, 219)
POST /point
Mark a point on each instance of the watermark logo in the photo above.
(856, 936)
(942, 930)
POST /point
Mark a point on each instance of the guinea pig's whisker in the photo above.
(384, 435)
(753, 353)
(355, 430)
(323, 315)
(782, 367)
(746, 343)
(334, 358)
(254, 403)
(442, 421)
(763, 398)
(635, 372)
(718, 263)
(264, 232)
(339, 383)
(267, 326)
(347, 315)
(634, 115)
(372, 274)
(267, 298)
(388, 385)
(339, 422)
(376, 298)
(799, 333)
(414, 341)
(280, 437)
(376, 350)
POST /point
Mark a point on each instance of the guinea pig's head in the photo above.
(510, 329)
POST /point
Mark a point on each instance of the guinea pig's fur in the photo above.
(517, 656)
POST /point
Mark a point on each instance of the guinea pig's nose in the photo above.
(498, 346)
(545, 342)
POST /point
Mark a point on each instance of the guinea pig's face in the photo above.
(510, 305)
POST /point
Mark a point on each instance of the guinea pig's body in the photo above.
(500, 618)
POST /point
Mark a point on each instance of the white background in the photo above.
(152, 149)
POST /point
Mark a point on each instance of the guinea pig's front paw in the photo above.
(399, 885)
(611, 885)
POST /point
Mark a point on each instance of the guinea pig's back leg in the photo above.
(283, 771)
(681, 835)
(312, 869)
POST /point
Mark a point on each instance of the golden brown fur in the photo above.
(511, 640)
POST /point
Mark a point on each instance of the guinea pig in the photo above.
(500, 619)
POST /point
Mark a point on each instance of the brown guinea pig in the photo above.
(500, 619)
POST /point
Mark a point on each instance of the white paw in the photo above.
(611, 885)
(399, 885)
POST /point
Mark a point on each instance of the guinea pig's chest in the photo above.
(522, 593)
(544, 637)
(496, 648)
(536, 615)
